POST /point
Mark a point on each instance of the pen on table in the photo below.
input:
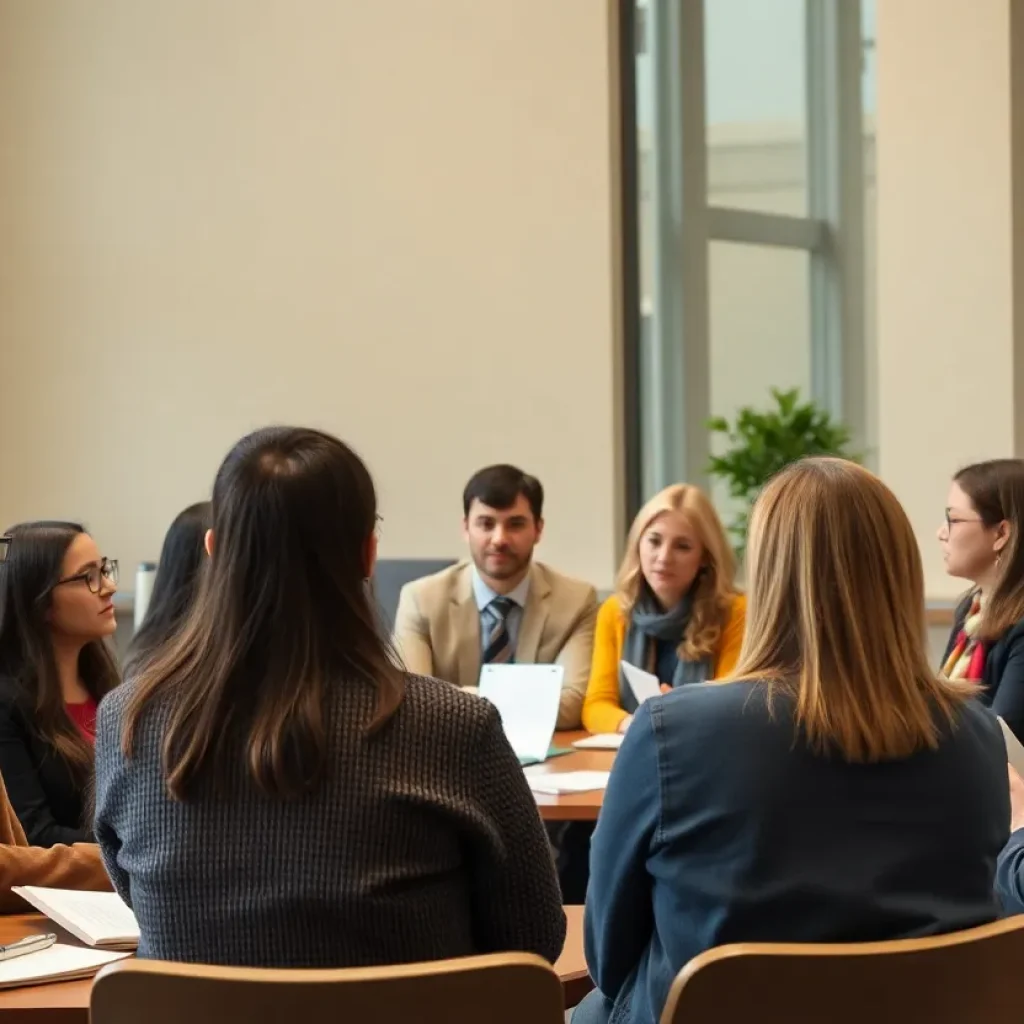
(29, 944)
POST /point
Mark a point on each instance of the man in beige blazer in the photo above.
(500, 606)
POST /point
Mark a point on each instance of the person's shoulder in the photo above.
(961, 608)
(566, 588)
(11, 690)
(443, 706)
(974, 722)
(702, 705)
(721, 694)
(734, 613)
(972, 747)
(111, 707)
(14, 700)
(1015, 634)
(611, 610)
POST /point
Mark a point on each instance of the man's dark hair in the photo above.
(500, 486)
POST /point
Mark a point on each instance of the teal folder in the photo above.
(552, 752)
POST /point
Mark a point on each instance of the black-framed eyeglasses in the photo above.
(951, 521)
(95, 576)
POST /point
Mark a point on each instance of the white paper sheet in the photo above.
(567, 782)
(527, 698)
(1014, 748)
(600, 741)
(642, 683)
(55, 963)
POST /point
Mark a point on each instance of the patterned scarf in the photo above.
(967, 658)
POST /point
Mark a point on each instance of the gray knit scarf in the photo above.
(647, 624)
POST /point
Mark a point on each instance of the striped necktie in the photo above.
(499, 643)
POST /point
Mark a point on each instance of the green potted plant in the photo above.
(761, 442)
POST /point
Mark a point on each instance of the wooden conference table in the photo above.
(67, 1002)
(572, 806)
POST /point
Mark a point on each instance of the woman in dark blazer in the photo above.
(835, 791)
(271, 790)
(980, 538)
(56, 611)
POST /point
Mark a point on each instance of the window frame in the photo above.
(668, 345)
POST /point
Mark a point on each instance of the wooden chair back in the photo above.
(968, 977)
(503, 988)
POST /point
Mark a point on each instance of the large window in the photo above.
(753, 149)
(756, 104)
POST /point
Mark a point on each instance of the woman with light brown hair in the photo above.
(675, 611)
(834, 790)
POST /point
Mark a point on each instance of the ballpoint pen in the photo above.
(29, 944)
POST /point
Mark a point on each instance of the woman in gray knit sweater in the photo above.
(272, 791)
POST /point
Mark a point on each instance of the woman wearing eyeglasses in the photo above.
(980, 540)
(56, 612)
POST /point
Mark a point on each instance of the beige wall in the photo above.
(949, 276)
(391, 220)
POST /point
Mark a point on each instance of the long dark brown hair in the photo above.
(996, 490)
(182, 558)
(34, 560)
(282, 617)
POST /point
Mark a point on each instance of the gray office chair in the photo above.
(391, 574)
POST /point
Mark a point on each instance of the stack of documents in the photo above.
(1014, 748)
(643, 684)
(55, 963)
(555, 783)
(100, 919)
(600, 741)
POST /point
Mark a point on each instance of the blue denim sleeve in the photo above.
(1010, 874)
(619, 918)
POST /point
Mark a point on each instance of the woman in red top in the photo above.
(56, 611)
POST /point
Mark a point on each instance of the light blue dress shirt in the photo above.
(489, 619)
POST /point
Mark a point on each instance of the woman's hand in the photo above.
(624, 724)
(1016, 799)
(665, 688)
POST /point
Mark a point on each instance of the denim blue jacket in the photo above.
(718, 827)
(1010, 875)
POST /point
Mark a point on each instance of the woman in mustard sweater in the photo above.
(676, 611)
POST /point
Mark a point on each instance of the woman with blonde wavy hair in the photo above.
(675, 612)
(835, 789)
